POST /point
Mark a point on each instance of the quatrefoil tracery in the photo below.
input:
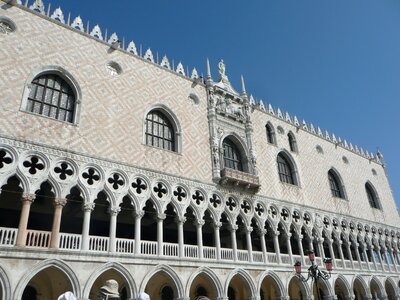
(91, 176)
(63, 170)
(5, 158)
(33, 164)
(139, 185)
(180, 194)
(116, 181)
(198, 197)
(160, 190)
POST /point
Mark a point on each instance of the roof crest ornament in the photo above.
(38, 6)
(132, 48)
(78, 24)
(58, 15)
(194, 75)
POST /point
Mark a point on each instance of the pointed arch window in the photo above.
(292, 142)
(159, 131)
(232, 157)
(372, 196)
(286, 170)
(335, 185)
(270, 133)
(51, 96)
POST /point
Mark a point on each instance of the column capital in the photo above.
(199, 222)
(217, 225)
(233, 227)
(180, 219)
(289, 235)
(261, 231)
(60, 202)
(161, 217)
(26, 197)
(300, 236)
(138, 213)
(113, 211)
(249, 229)
(88, 206)
(276, 233)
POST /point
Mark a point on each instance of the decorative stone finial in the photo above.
(208, 69)
(243, 85)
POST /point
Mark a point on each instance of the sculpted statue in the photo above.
(221, 68)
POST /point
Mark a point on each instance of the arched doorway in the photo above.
(359, 289)
(342, 291)
(49, 283)
(297, 290)
(123, 285)
(161, 286)
(270, 289)
(376, 288)
(203, 285)
(390, 288)
(238, 288)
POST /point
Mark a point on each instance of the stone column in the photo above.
(276, 247)
(373, 256)
(350, 254)
(217, 227)
(320, 242)
(289, 247)
(138, 224)
(87, 211)
(262, 232)
(199, 226)
(27, 200)
(160, 237)
(181, 242)
(383, 257)
(300, 241)
(364, 246)
(249, 229)
(113, 228)
(393, 259)
(332, 254)
(341, 253)
(55, 230)
(234, 243)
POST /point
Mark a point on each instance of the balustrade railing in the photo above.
(148, 248)
(209, 253)
(285, 259)
(70, 241)
(8, 236)
(170, 249)
(258, 257)
(125, 245)
(347, 264)
(226, 254)
(191, 251)
(339, 264)
(38, 239)
(98, 243)
(243, 255)
(272, 258)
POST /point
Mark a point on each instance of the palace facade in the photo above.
(118, 164)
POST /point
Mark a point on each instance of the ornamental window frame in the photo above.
(372, 196)
(63, 74)
(270, 132)
(175, 125)
(339, 191)
(292, 142)
(241, 146)
(291, 164)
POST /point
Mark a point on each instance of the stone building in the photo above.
(115, 164)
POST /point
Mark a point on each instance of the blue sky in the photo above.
(334, 63)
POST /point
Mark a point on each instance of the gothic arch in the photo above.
(208, 273)
(4, 285)
(361, 281)
(242, 147)
(381, 288)
(339, 178)
(303, 286)
(390, 283)
(275, 278)
(295, 170)
(173, 120)
(341, 280)
(64, 74)
(247, 279)
(56, 263)
(110, 266)
(170, 272)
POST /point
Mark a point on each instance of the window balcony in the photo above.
(238, 178)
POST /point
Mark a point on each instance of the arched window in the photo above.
(159, 131)
(51, 96)
(335, 184)
(292, 142)
(270, 133)
(372, 196)
(286, 170)
(232, 157)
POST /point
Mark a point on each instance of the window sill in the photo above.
(161, 149)
(49, 118)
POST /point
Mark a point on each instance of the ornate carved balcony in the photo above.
(238, 178)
